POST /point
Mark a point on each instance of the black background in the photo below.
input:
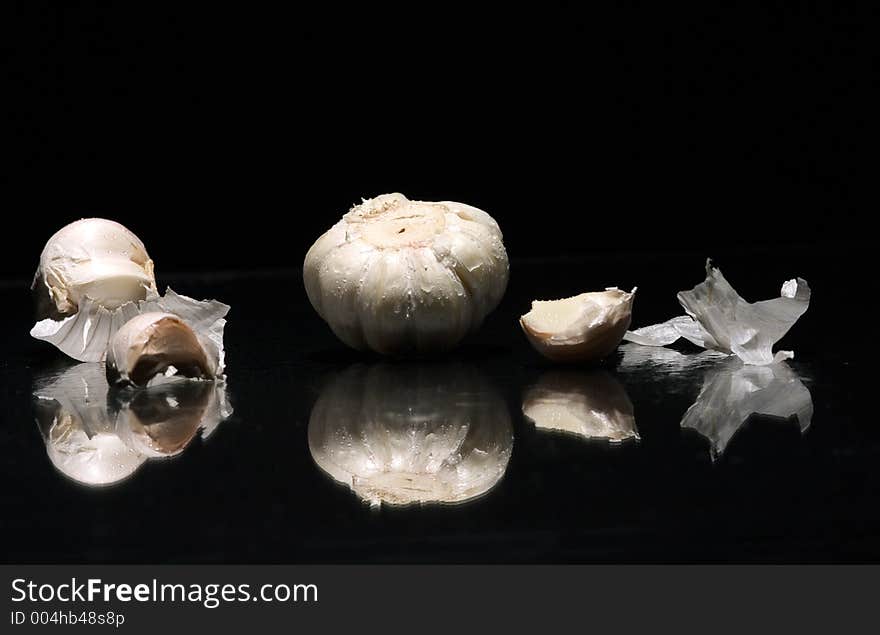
(229, 138)
(614, 147)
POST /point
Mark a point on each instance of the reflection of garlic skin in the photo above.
(591, 405)
(98, 436)
(92, 258)
(411, 434)
(151, 342)
(398, 276)
(583, 328)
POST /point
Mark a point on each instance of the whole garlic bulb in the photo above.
(399, 276)
(92, 258)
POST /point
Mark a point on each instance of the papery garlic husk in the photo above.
(411, 434)
(591, 405)
(733, 391)
(99, 436)
(153, 343)
(719, 319)
(397, 276)
(583, 328)
(79, 431)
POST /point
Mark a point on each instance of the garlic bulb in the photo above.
(151, 343)
(399, 276)
(411, 434)
(92, 258)
(583, 328)
(591, 405)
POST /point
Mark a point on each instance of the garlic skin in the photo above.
(411, 434)
(150, 343)
(591, 405)
(92, 258)
(583, 328)
(397, 276)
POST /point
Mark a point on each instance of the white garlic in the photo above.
(583, 328)
(412, 433)
(151, 343)
(398, 276)
(590, 405)
(93, 258)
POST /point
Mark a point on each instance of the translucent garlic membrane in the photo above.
(403, 434)
(732, 392)
(97, 436)
(586, 327)
(719, 319)
(86, 335)
(591, 405)
(397, 276)
(153, 343)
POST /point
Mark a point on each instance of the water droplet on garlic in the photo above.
(583, 328)
(399, 276)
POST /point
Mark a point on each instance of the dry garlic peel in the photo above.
(586, 327)
(89, 270)
(399, 276)
(149, 344)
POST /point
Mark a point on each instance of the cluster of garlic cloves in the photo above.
(95, 281)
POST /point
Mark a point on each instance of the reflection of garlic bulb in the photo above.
(591, 405)
(149, 344)
(411, 434)
(93, 258)
(99, 437)
(583, 328)
(399, 276)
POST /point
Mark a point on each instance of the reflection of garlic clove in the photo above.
(79, 432)
(411, 434)
(149, 344)
(398, 276)
(591, 405)
(162, 420)
(98, 436)
(92, 258)
(586, 327)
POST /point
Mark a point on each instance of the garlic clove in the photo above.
(408, 434)
(583, 328)
(398, 276)
(85, 336)
(590, 405)
(92, 258)
(150, 344)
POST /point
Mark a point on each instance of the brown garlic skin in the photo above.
(151, 342)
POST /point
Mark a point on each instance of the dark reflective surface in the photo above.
(253, 490)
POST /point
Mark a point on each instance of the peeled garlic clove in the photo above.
(411, 434)
(591, 405)
(90, 274)
(586, 327)
(151, 343)
(397, 276)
